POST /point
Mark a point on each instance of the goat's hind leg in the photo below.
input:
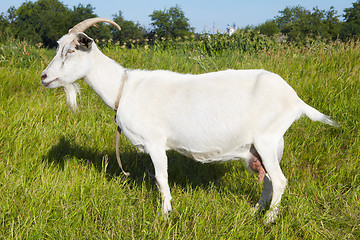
(275, 180)
(266, 194)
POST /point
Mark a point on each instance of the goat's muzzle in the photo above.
(44, 83)
(43, 77)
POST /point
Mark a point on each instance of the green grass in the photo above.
(59, 178)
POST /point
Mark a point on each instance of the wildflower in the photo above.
(39, 45)
(25, 52)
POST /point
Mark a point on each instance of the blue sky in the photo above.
(203, 14)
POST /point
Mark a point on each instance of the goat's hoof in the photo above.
(270, 217)
(165, 215)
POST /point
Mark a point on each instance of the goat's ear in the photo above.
(84, 42)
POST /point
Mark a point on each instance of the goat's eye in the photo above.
(70, 51)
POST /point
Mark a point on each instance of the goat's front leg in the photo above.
(159, 159)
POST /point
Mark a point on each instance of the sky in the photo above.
(203, 15)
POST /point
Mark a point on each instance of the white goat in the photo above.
(218, 116)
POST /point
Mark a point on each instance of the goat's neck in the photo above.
(105, 77)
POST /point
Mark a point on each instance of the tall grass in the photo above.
(59, 178)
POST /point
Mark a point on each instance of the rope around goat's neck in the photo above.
(123, 80)
(118, 133)
(118, 130)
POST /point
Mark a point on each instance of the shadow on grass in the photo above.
(182, 171)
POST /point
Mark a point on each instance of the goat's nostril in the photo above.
(43, 76)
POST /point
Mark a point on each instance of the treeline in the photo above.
(299, 24)
(43, 22)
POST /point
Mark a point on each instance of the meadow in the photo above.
(59, 177)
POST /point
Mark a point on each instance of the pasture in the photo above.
(59, 178)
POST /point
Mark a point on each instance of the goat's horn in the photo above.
(82, 26)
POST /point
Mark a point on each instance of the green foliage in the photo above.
(244, 41)
(249, 41)
(42, 21)
(352, 14)
(130, 33)
(45, 21)
(5, 31)
(351, 26)
(170, 22)
(299, 24)
(269, 28)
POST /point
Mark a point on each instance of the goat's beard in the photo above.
(71, 93)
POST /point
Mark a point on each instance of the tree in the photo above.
(5, 31)
(129, 30)
(269, 28)
(43, 21)
(333, 23)
(46, 21)
(299, 23)
(170, 23)
(351, 26)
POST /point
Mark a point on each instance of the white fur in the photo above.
(216, 116)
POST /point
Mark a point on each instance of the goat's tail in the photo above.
(315, 115)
